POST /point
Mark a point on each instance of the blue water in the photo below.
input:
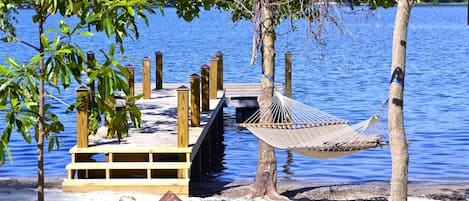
(348, 78)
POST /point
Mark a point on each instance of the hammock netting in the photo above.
(288, 124)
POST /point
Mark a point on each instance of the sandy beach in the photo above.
(12, 189)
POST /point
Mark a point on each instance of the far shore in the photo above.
(15, 189)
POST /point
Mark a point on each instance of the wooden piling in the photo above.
(195, 100)
(146, 78)
(205, 88)
(130, 80)
(159, 70)
(183, 116)
(219, 55)
(82, 116)
(213, 78)
(183, 123)
(288, 81)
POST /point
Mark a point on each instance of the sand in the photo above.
(24, 190)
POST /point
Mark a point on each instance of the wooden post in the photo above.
(219, 55)
(82, 116)
(183, 124)
(205, 88)
(146, 78)
(159, 70)
(183, 116)
(213, 78)
(195, 100)
(130, 80)
(288, 81)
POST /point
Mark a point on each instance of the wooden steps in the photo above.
(128, 165)
(154, 186)
(129, 168)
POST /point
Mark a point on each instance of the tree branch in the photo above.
(9, 35)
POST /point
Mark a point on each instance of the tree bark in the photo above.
(41, 130)
(265, 183)
(398, 142)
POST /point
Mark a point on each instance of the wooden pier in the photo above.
(179, 140)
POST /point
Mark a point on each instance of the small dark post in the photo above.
(213, 78)
(91, 66)
(159, 70)
(146, 78)
(195, 100)
(82, 117)
(130, 80)
(205, 87)
(288, 81)
(183, 116)
(219, 55)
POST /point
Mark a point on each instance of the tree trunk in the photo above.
(398, 142)
(265, 183)
(41, 130)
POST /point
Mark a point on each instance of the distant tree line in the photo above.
(441, 1)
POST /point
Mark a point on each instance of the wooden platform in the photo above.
(148, 160)
(244, 95)
(142, 169)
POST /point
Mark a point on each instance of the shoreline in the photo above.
(25, 189)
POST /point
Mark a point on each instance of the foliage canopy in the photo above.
(60, 63)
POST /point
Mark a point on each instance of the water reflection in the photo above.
(286, 168)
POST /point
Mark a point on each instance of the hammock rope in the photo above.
(292, 125)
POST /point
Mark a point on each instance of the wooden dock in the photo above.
(149, 159)
(177, 143)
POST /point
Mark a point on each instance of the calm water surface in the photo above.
(348, 78)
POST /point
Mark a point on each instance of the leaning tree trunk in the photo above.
(265, 183)
(398, 142)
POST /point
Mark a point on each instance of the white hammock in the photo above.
(289, 124)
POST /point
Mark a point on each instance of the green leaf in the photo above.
(13, 62)
(24, 131)
(7, 133)
(108, 26)
(57, 144)
(52, 31)
(131, 11)
(36, 18)
(93, 18)
(7, 149)
(70, 108)
(86, 33)
(56, 42)
(64, 51)
(5, 84)
(64, 27)
(8, 39)
(14, 100)
(51, 144)
(2, 155)
(44, 41)
(92, 76)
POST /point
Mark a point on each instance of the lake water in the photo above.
(348, 78)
